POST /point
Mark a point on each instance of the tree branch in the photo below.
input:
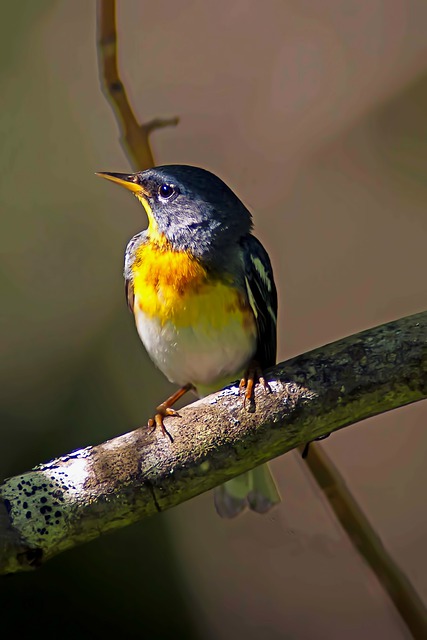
(365, 539)
(79, 496)
(135, 136)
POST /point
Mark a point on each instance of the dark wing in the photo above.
(262, 297)
(130, 296)
(133, 244)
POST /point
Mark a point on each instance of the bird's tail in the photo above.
(254, 489)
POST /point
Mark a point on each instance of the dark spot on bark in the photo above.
(31, 557)
(115, 87)
(151, 488)
(331, 396)
(356, 352)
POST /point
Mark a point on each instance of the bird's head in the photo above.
(191, 208)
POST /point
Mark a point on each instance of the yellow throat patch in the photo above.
(173, 286)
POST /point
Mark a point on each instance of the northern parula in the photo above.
(201, 288)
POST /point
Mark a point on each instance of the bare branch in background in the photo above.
(368, 543)
(134, 136)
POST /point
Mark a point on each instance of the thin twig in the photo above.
(368, 543)
(134, 136)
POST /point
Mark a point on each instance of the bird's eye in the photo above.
(166, 191)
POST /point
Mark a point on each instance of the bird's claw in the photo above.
(157, 421)
(165, 409)
(253, 376)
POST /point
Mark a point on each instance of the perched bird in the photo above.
(201, 288)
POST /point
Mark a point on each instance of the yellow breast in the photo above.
(173, 286)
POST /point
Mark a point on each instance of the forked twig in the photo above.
(134, 136)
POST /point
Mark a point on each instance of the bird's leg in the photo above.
(165, 409)
(253, 376)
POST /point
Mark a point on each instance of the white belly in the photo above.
(204, 357)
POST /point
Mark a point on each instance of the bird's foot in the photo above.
(165, 409)
(157, 421)
(253, 376)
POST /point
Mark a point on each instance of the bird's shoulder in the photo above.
(262, 295)
(135, 243)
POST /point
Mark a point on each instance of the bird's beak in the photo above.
(126, 180)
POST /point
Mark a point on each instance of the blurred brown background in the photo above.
(315, 113)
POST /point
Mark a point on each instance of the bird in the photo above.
(201, 288)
